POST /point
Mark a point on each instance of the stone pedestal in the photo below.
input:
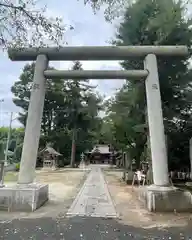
(165, 199)
(26, 198)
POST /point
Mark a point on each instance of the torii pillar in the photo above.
(156, 126)
(33, 125)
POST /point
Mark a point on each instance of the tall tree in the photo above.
(53, 97)
(125, 113)
(148, 22)
(70, 111)
(114, 9)
(82, 106)
(24, 23)
(15, 144)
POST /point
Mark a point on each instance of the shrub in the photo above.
(17, 166)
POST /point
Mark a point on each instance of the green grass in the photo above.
(10, 177)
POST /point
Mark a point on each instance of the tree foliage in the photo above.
(69, 105)
(15, 144)
(23, 23)
(54, 95)
(114, 9)
(149, 22)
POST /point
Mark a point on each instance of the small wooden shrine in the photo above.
(50, 157)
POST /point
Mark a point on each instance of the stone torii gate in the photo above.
(154, 109)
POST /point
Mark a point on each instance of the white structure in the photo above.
(156, 126)
(33, 126)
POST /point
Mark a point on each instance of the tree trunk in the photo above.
(73, 147)
(190, 156)
(127, 166)
(124, 166)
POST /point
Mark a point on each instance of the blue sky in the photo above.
(89, 29)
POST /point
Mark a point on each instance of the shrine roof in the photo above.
(51, 150)
(102, 149)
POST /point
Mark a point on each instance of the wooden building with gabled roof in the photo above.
(50, 157)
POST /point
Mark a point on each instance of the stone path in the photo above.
(93, 199)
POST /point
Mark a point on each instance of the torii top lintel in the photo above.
(95, 52)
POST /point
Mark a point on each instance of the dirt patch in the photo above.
(131, 210)
(63, 188)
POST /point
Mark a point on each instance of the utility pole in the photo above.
(4, 163)
(1, 101)
(73, 146)
(8, 139)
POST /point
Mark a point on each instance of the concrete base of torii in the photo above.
(24, 198)
(165, 199)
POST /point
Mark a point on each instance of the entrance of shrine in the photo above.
(149, 74)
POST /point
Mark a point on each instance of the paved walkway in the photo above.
(93, 199)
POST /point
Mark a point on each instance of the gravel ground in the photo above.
(132, 212)
(79, 228)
